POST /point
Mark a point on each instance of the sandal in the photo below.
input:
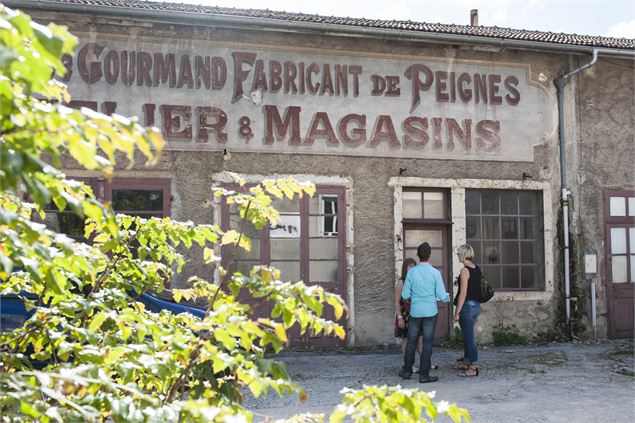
(461, 366)
(466, 374)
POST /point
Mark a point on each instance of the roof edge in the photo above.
(244, 22)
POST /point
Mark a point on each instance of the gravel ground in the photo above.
(560, 382)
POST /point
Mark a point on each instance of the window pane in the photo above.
(510, 277)
(132, 200)
(510, 252)
(286, 205)
(436, 257)
(244, 267)
(490, 202)
(509, 227)
(528, 277)
(323, 226)
(527, 252)
(410, 253)
(323, 271)
(509, 202)
(631, 206)
(617, 206)
(329, 226)
(631, 237)
(411, 204)
(619, 269)
(242, 254)
(618, 240)
(491, 254)
(287, 226)
(433, 204)
(249, 230)
(472, 202)
(527, 228)
(490, 228)
(493, 276)
(289, 270)
(323, 248)
(477, 251)
(473, 227)
(632, 267)
(66, 223)
(323, 203)
(285, 248)
(415, 237)
(528, 202)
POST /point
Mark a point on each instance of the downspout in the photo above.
(560, 83)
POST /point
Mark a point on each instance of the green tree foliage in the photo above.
(106, 357)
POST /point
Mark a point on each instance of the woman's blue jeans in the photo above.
(467, 320)
(424, 327)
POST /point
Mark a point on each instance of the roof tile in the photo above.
(467, 30)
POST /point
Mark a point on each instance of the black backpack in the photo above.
(486, 292)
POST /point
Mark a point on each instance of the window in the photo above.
(620, 232)
(505, 229)
(139, 197)
(420, 204)
(305, 244)
(145, 197)
(328, 207)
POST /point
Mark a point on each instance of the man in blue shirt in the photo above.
(423, 287)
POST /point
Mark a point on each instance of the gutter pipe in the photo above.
(307, 27)
(560, 84)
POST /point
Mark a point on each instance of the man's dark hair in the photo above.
(424, 251)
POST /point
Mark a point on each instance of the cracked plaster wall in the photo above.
(603, 100)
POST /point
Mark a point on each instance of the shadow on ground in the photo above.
(561, 382)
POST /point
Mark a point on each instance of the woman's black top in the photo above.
(473, 285)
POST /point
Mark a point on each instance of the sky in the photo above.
(613, 18)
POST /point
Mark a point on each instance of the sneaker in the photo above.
(433, 367)
(405, 374)
(428, 379)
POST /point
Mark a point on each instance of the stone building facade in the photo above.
(411, 132)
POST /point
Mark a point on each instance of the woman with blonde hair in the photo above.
(468, 308)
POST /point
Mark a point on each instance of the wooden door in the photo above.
(437, 237)
(619, 233)
(621, 278)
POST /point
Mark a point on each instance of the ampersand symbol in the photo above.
(245, 129)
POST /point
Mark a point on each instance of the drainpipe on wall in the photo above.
(560, 84)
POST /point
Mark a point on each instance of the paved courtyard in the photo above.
(561, 382)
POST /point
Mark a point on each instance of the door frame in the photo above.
(446, 255)
(306, 340)
(617, 293)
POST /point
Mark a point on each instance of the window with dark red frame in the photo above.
(619, 218)
(144, 197)
(505, 229)
(305, 244)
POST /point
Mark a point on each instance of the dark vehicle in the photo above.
(157, 304)
(13, 312)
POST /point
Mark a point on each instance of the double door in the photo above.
(307, 243)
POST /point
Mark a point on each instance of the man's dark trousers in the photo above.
(420, 326)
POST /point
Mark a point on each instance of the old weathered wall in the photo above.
(373, 273)
(604, 102)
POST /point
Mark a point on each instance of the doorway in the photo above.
(619, 233)
(437, 236)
